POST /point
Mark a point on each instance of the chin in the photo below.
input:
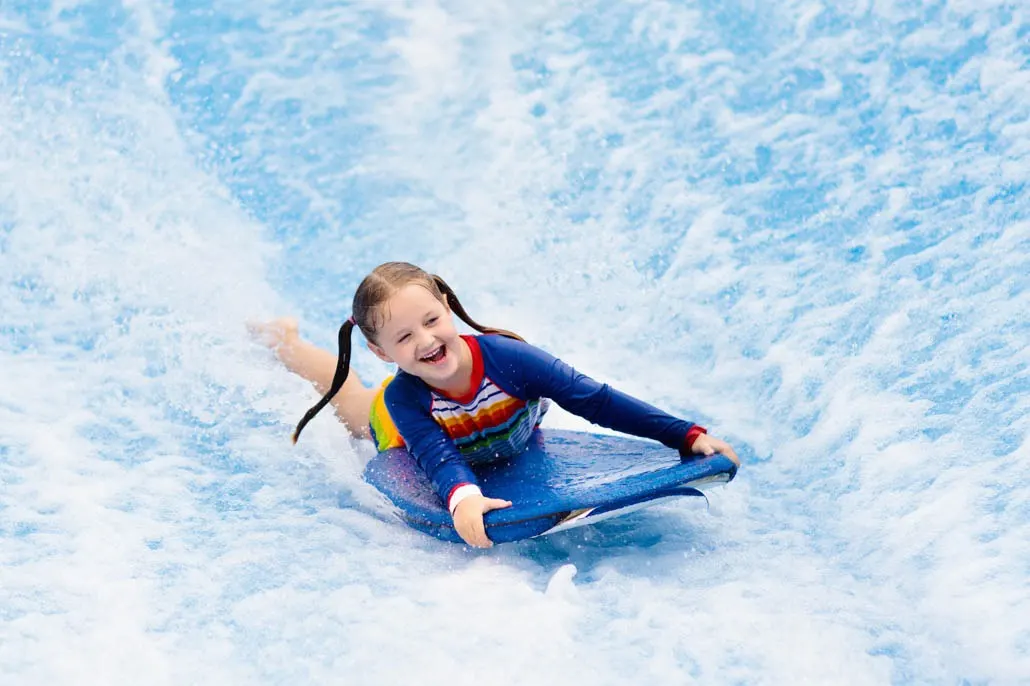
(445, 374)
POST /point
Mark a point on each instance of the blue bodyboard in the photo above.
(564, 479)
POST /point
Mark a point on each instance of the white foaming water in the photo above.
(806, 227)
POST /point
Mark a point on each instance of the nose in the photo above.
(423, 337)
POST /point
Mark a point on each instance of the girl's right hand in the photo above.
(468, 518)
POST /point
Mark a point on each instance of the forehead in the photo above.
(407, 306)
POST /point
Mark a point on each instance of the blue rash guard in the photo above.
(511, 382)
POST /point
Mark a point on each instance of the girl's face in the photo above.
(419, 337)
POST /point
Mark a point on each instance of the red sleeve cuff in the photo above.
(459, 493)
(688, 441)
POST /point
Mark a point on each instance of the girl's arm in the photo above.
(436, 454)
(533, 373)
(433, 449)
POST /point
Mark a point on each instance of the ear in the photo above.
(380, 353)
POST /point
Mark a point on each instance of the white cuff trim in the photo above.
(460, 493)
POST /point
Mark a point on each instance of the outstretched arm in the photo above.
(536, 373)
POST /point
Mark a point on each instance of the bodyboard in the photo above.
(564, 479)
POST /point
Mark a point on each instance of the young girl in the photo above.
(458, 400)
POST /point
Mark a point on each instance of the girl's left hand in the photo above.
(709, 445)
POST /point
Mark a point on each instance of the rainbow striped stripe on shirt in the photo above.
(491, 425)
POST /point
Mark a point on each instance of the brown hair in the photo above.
(368, 315)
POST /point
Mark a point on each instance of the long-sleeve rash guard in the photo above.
(510, 382)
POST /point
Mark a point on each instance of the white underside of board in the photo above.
(584, 516)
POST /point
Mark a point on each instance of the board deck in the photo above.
(564, 479)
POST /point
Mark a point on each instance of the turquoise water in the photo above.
(806, 226)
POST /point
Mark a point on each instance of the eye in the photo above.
(432, 320)
(404, 338)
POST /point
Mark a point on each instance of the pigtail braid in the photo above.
(342, 370)
(452, 301)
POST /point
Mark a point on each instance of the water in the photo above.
(804, 225)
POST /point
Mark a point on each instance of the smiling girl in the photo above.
(457, 400)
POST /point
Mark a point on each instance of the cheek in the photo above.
(390, 351)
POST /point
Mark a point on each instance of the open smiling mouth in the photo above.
(436, 356)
